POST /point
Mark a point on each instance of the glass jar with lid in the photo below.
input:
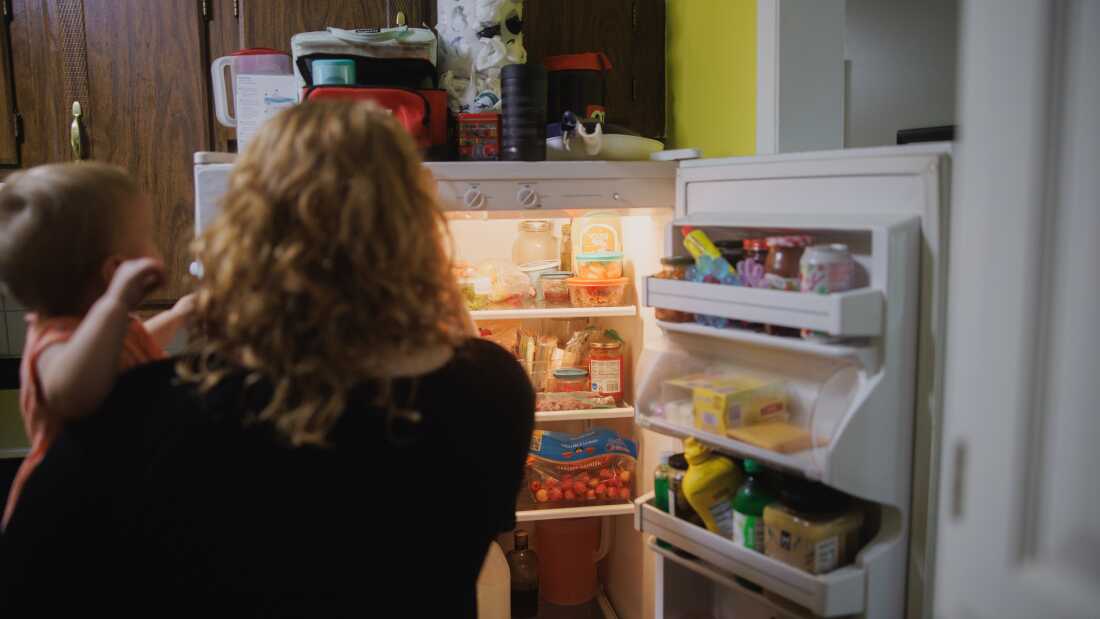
(781, 270)
(605, 366)
(570, 379)
(535, 243)
(673, 267)
(554, 289)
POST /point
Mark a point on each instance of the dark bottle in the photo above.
(523, 566)
(523, 112)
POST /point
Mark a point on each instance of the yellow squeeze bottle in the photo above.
(709, 485)
(699, 244)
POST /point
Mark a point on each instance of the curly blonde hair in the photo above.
(330, 256)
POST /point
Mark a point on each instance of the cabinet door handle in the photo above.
(76, 133)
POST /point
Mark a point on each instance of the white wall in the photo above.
(903, 56)
(800, 75)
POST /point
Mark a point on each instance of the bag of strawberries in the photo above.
(567, 470)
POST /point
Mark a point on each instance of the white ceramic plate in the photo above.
(615, 148)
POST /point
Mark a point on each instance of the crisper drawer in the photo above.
(840, 592)
(853, 313)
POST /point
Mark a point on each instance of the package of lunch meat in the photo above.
(575, 469)
(572, 401)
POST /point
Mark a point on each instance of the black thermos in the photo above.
(523, 99)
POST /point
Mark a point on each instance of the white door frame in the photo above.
(1019, 514)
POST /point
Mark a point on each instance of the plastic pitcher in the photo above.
(253, 61)
(569, 551)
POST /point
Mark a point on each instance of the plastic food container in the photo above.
(600, 265)
(597, 292)
(570, 379)
(553, 289)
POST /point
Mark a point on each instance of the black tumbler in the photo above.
(523, 121)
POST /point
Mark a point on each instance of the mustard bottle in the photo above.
(709, 486)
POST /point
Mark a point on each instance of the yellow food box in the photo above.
(734, 402)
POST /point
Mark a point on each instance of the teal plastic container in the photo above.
(333, 72)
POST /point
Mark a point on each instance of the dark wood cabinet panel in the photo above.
(223, 35)
(271, 23)
(38, 75)
(147, 111)
(630, 32)
(9, 147)
(648, 113)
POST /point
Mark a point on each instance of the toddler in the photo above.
(76, 249)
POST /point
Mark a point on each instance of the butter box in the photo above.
(738, 401)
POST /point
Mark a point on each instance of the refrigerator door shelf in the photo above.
(804, 463)
(780, 609)
(862, 352)
(558, 513)
(852, 313)
(840, 592)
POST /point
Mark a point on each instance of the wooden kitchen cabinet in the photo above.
(141, 72)
(630, 32)
(9, 121)
(139, 69)
(147, 85)
(271, 23)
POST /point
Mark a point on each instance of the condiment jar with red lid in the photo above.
(781, 270)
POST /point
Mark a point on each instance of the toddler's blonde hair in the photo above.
(58, 224)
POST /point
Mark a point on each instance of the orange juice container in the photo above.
(597, 232)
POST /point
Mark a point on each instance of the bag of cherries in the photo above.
(594, 467)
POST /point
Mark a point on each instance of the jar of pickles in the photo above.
(673, 267)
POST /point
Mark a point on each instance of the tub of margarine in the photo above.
(812, 527)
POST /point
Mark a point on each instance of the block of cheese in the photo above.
(777, 436)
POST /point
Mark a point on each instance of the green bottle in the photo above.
(660, 488)
(748, 508)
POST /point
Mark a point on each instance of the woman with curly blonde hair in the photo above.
(335, 444)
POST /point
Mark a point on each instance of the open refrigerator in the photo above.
(867, 402)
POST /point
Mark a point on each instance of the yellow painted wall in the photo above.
(712, 76)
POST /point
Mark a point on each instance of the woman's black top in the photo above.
(167, 503)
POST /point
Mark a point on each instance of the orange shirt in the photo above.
(42, 428)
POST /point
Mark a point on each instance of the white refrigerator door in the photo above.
(892, 202)
(1020, 508)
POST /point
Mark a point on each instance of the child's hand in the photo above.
(185, 306)
(134, 280)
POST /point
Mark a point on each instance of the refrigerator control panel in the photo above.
(522, 195)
